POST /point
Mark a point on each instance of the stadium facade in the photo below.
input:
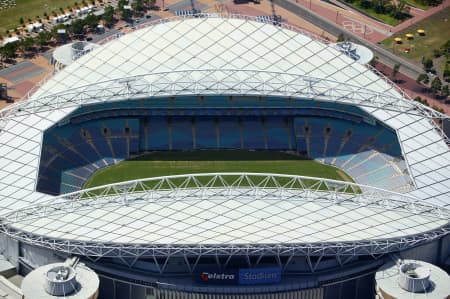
(224, 82)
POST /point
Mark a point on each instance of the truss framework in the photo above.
(233, 82)
(258, 185)
(230, 81)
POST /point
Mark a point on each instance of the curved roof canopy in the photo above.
(211, 55)
(225, 210)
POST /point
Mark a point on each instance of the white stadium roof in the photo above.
(222, 55)
(198, 212)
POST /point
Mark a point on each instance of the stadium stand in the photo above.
(100, 135)
(73, 152)
(206, 133)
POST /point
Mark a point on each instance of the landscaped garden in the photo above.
(431, 48)
(391, 12)
(388, 11)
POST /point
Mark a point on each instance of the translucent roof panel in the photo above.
(226, 56)
(212, 43)
(181, 215)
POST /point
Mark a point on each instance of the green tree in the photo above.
(108, 16)
(439, 109)
(427, 64)
(445, 91)
(395, 71)
(445, 48)
(446, 73)
(366, 4)
(341, 38)
(122, 3)
(77, 27)
(8, 51)
(380, 6)
(423, 78)
(436, 86)
(43, 38)
(91, 21)
(126, 14)
(138, 7)
(26, 44)
(400, 9)
(422, 101)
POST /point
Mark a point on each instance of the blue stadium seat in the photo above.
(157, 134)
(279, 134)
(120, 147)
(253, 133)
(205, 133)
(229, 133)
(181, 133)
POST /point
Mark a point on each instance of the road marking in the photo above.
(357, 27)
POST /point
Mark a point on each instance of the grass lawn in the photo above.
(437, 29)
(370, 11)
(172, 163)
(443, 64)
(29, 9)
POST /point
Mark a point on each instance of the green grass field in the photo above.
(437, 29)
(29, 9)
(172, 163)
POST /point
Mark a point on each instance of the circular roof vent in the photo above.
(406, 279)
(60, 281)
(414, 277)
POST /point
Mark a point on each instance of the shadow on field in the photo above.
(217, 155)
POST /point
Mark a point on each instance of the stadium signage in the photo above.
(242, 276)
(259, 275)
(218, 278)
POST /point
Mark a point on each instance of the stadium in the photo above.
(224, 84)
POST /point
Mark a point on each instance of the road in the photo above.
(408, 68)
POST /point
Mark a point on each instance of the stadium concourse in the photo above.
(221, 82)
